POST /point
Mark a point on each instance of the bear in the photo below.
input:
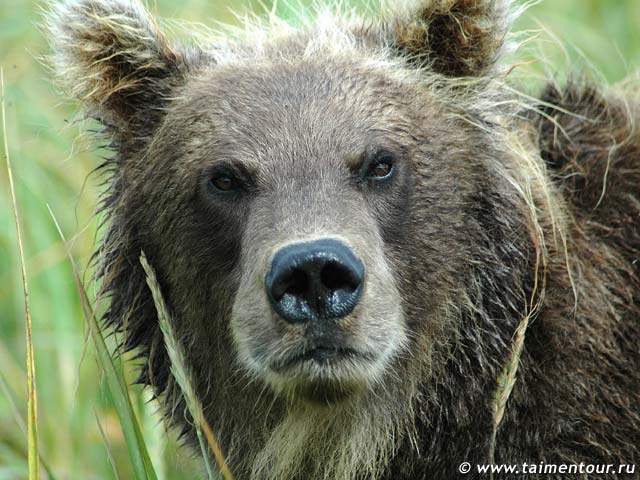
(381, 260)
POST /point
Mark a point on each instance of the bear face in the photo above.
(251, 176)
(257, 176)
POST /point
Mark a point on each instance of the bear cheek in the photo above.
(253, 330)
(381, 323)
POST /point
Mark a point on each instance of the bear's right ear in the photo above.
(111, 56)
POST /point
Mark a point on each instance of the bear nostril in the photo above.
(299, 283)
(335, 276)
(293, 282)
(315, 280)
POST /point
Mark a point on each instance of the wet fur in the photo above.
(539, 204)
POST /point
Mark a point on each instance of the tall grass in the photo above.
(33, 459)
(51, 164)
(111, 369)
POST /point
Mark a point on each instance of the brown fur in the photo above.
(498, 211)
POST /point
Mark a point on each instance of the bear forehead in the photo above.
(310, 106)
(294, 90)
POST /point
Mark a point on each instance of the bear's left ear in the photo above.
(455, 38)
(111, 56)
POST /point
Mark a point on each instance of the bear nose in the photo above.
(315, 280)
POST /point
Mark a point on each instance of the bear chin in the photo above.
(325, 392)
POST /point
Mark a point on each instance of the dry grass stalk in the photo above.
(507, 378)
(182, 375)
(32, 401)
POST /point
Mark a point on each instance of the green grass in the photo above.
(50, 166)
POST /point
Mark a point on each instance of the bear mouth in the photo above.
(322, 373)
(321, 355)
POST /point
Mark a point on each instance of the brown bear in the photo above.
(381, 260)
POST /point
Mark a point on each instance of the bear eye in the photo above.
(225, 182)
(381, 167)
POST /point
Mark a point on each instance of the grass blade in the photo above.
(181, 373)
(142, 466)
(20, 421)
(32, 401)
(107, 447)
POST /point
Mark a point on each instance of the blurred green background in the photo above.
(52, 166)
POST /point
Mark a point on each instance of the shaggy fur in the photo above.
(499, 211)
